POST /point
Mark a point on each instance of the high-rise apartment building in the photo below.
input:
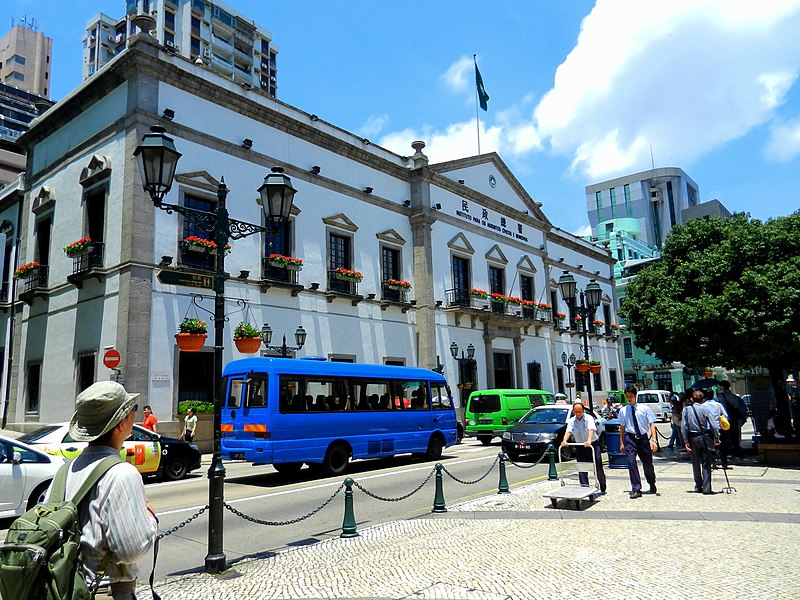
(25, 55)
(225, 41)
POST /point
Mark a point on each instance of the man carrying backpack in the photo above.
(118, 525)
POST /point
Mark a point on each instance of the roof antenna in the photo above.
(652, 162)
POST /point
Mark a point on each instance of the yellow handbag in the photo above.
(724, 423)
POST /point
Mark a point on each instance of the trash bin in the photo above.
(616, 460)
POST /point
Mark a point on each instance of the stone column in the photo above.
(518, 361)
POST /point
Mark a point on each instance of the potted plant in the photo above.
(476, 293)
(598, 326)
(198, 244)
(27, 270)
(192, 336)
(581, 366)
(285, 262)
(347, 274)
(396, 284)
(594, 366)
(247, 338)
(513, 300)
(544, 310)
(82, 246)
(499, 298)
(560, 317)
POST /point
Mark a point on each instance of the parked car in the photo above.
(25, 475)
(541, 426)
(489, 413)
(658, 401)
(151, 453)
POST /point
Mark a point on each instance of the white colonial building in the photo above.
(448, 229)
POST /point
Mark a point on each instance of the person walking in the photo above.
(118, 525)
(637, 437)
(716, 409)
(150, 422)
(189, 425)
(676, 403)
(583, 428)
(737, 415)
(701, 433)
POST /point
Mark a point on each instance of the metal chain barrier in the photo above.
(418, 488)
(184, 524)
(453, 477)
(531, 465)
(289, 522)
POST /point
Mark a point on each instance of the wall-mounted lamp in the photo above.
(597, 272)
(437, 206)
(314, 118)
(580, 266)
(316, 169)
(168, 114)
(165, 261)
(367, 190)
(561, 259)
(199, 62)
(541, 246)
(244, 274)
(461, 181)
(315, 286)
(438, 303)
(247, 143)
(406, 203)
(526, 212)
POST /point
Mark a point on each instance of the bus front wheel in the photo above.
(336, 459)
(435, 447)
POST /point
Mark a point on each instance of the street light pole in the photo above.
(569, 362)
(589, 301)
(283, 349)
(158, 160)
(636, 365)
(469, 360)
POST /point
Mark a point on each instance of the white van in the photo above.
(658, 401)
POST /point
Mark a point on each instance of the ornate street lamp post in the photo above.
(465, 364)
(636, 365)
(158, 160)
(589, 301)
(299, 338)
(569, 362)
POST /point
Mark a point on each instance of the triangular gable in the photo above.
(98, 168)
(198, 179)
(342, 221)
(480, 172)
(526, 265)
(605, 298)
(460, 243)
(495, 254)
(391, 236)
(43, 201)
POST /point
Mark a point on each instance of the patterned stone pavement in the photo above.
(671, 545)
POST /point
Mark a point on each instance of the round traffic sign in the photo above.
(111, 358)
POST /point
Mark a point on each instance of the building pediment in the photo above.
(460, 243)
(495, 255)
(526, 265)
(202, 180)
(99, 167)
(391, 236)
(44, 200)
(341, 221)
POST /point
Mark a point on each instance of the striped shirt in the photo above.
(115, 519)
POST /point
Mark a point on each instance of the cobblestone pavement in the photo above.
(517, 546)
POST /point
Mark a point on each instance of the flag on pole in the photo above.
(483, 97)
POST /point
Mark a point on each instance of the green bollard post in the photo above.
(502, 487)
(349, 522)
(552, 474)
(438, 497)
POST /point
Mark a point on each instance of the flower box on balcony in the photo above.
(480, 294)
(396, 284)
(27, 270)
(286, 262)
(499, 298)
(347, 274)
(79, 248)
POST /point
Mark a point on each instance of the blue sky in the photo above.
(579, 90)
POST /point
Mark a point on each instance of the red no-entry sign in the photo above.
(111, 358)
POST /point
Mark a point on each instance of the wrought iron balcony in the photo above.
(462, 297)
(341, 286)
(278, 274)
(394, 294)
(93, 259)
(34, 285)
(193, 257)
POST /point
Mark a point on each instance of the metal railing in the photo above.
(393, 294)
(278, 274)
(36, 280)
(342, 286)
(91, 260)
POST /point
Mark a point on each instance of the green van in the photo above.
(491, 412)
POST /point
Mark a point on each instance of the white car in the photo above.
(25, 475)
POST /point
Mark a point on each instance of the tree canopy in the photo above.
(725, 292)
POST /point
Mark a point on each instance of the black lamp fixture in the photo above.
(244, 274)
(406, 203)
(247, 143)
(437, 206)
(158, 160)
(314, 118)
(470, 351)
(367, 190)
(569, 362)
(168, 114)
(284, 350)
(467, 372)
(589, 301)
(316, 169)
(165, 261)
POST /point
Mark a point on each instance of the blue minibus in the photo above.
(287, 412)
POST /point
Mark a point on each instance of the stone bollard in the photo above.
(502, 487)
(552, 473)
(438, 497)
(349, 522)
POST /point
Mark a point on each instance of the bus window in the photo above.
(370, 395)
(235, 393)
(257, 393)
(441, 399)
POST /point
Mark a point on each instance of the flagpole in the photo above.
(477, 114)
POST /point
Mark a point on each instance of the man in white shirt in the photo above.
(117, 522)
(583, 429)
(637, 437)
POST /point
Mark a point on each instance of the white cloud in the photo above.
(583, 231)
(685, 77)
(784, 141)
(455, 141)
(374, 125)
(456, 78)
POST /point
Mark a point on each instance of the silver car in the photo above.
(25, 475)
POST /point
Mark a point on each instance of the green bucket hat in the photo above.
(98, 409)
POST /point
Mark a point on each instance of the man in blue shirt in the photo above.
(701, 432)
(583, 429)
(716, 409)
(635, 423)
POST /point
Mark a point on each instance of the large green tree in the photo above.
(725, 292)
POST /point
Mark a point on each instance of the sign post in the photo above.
(111, 359)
